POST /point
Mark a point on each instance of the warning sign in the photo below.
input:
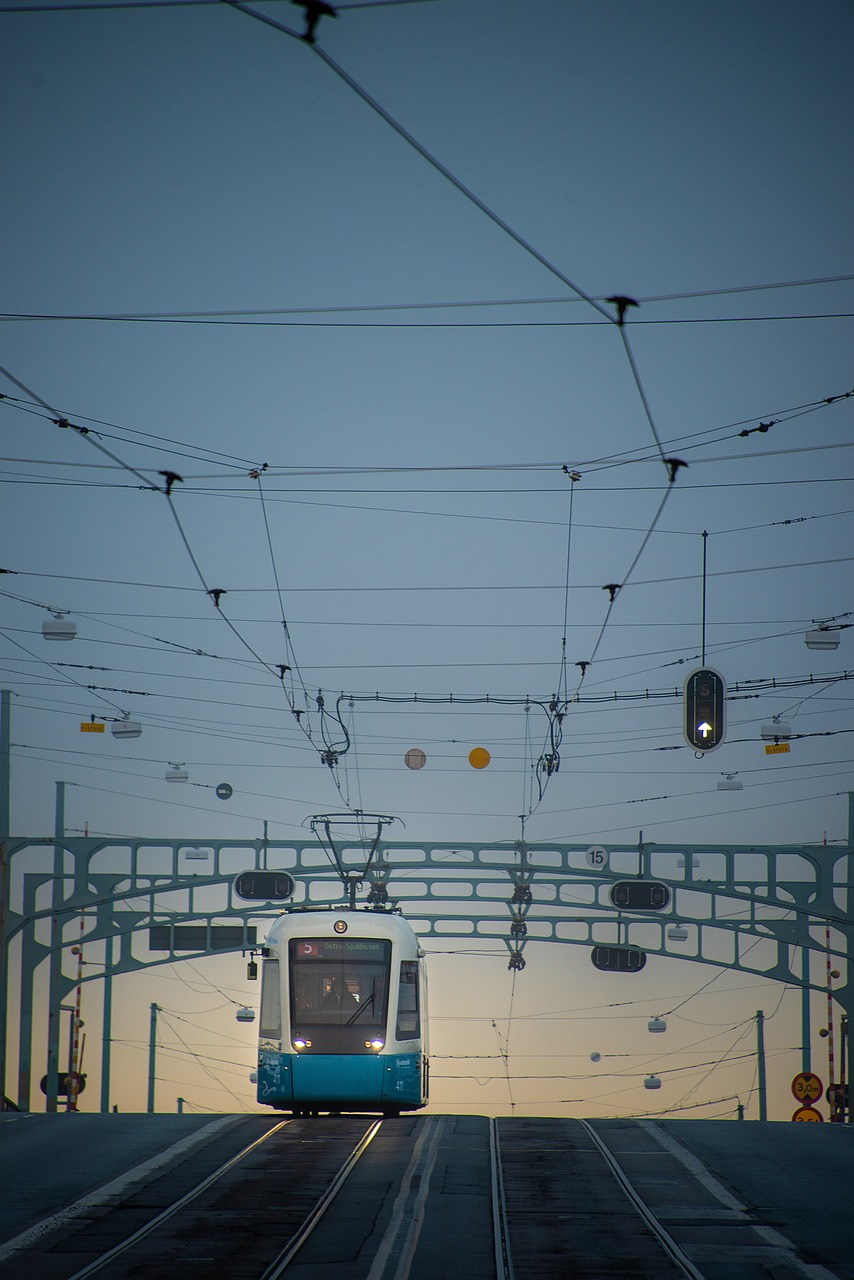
(807, 1087)
(808, 1114)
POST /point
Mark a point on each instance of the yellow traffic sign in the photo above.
(90, 726)
(808, 1114)
(776, 748)
(807, 1087)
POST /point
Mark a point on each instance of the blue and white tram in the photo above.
(343, 1022)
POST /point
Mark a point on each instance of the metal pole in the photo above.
(848, 1110)
(28, 966)
(69, 1009)
(5, 762)
(806, 1045)
(69, 1097)
(73, 1089)
(760, 1060)
(107, 1031)
(5, 823)
(705, 549)
(831, 1059)
(180, 1106)
(152, 1047)
(55, 970)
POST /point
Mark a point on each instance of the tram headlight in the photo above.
(376, 1044)
(299, 1044)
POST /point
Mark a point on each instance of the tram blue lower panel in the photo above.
(391, 1080)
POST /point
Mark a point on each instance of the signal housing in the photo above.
(704, 706)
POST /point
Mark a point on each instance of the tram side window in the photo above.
(408, 1022)
(271, 1002)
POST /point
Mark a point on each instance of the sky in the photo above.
(374, 271)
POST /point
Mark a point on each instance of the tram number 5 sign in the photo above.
(807, 1087)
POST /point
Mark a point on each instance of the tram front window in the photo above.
(339, 993)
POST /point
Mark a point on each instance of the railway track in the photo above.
(563, 1206)
(245, 1218)
(355, 1198)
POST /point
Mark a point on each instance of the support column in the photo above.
(760, 1060)
(152, 1050)
(5, 824)
(806, 1042)
(29, 961)
(107, 1028)
(54, 994)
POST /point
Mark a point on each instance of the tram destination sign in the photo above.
(349, 949)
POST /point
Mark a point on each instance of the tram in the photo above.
(343, 1019)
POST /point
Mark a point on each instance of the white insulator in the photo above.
(176, 773)
(59, 627)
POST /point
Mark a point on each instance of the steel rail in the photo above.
(500, 1229)
(671, 1248)
(278, 1265)
(172, 1209)
(283, 1260)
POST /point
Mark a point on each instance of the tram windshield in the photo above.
(339, 983)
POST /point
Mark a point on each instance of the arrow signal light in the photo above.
(704, 706)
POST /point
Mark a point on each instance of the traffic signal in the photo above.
(639, 895)
(618, 959)
(264, 886)
(705, 709)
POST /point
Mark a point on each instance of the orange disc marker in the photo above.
(478, 757)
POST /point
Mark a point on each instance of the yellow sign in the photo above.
(478, 757)
(89, 726)
(776, 748)
(808, 1114)
(807, 1087)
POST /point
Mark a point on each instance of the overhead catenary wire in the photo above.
(448, 305)
(550, 761)
(340, 620)
(428, 156)
(333, 750)
(590, 465)
(215, 320)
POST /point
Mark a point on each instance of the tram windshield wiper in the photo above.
(362, 1007)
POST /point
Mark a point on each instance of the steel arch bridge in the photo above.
(780, 912)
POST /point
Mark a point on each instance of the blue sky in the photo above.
(167, 161)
